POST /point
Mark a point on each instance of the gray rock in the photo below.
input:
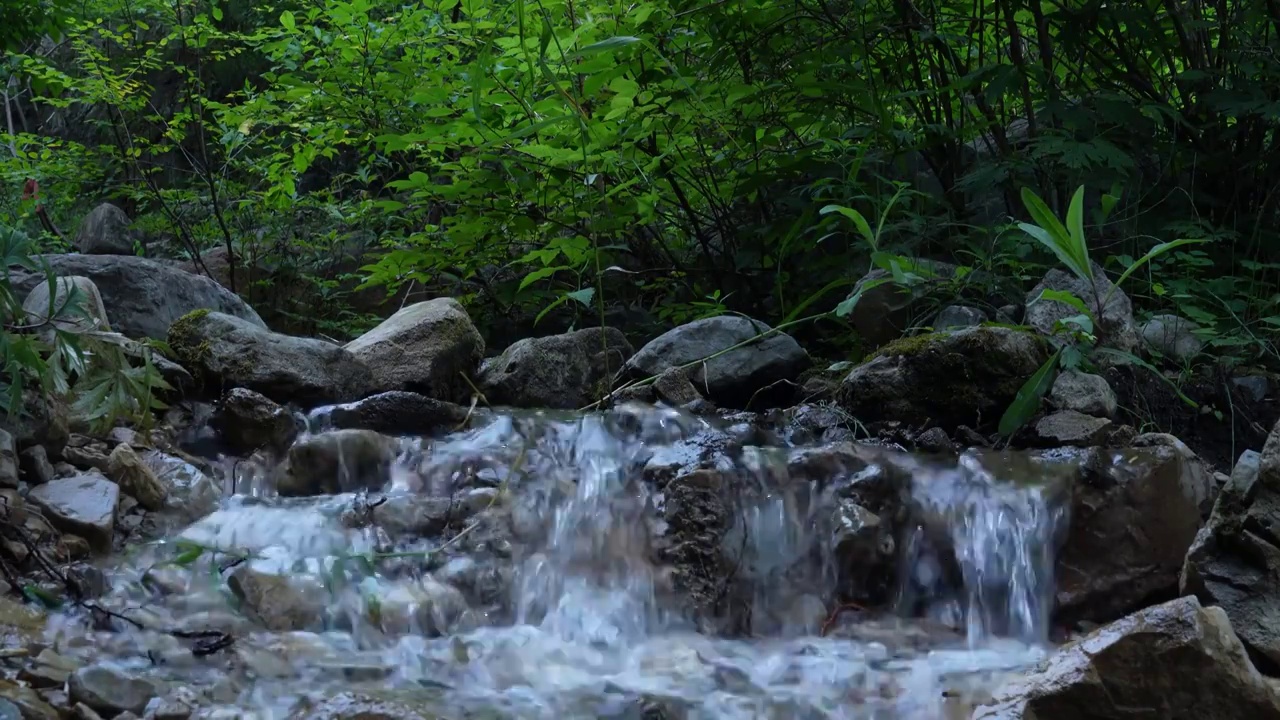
(426, 348)
(1254, 387)
(226, 350)
(412, 516)
(92, 315)
(398, 412)
(279, 603)
(43, 421)
(8, 460)
(136, 478)
(886, 311)
(675, 388)
(1084, 393)
(105, 231)
(338, 461)
(1174, 661)
(959, 316)
(143, 297)
(565, 371)
(35, 465)
(249, 421)
(1172, 336)
(84, 505)
(1197, 475)
(950, 378)
(428, 608)
(1133, 516)
(1116, 327)
(732, 378)
(352, 706)
(109, 690)
(1235, 560)
(1068, 427)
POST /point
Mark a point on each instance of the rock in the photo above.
(958, 316)
(1172, 336)
(352, 706)
(1083, 393)
(935, 440)
(143, 297)
(1133, 515)
(1115, 322)
(280, 603)
(1197, 475)
(109, 690)
(105, 231)
(1254, 387)
(956, 377)
(84, 505)
(426, 348)
(675, 388)
(92, 317)
(35, 465)
(249, 421)
(427, 608)
(177, 705)
(565, 371)
(8, 460)
(698, 516)
(42, 422)
(863, 546)
(405, 516)
(335, 462)
(136, 478)
(730, 379)
(887, 310)
(1235, 560)
(1068, 427)
(86, 453)
(28, 702)
(399, 413)
(231, 352)
(1174, 661)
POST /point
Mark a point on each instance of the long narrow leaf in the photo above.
(1055, 237)
(1154, 253)
(1075, 221)
(1027, 402)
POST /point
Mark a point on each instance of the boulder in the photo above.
(1134, 514)
(142, 297)
(1172, 336)
(1174, 661)
(565, 371)
(1235, 560)
(105, 231)
(399, 413)
(94, 316)
(427, 347)
(887, 310)
(732, 378)
(228, 351)
(1115, 322)
(109, 690)
(84, 505)
(337, 461)
(1084, 393)
(249, 421)
(279, 602)
(949, 378)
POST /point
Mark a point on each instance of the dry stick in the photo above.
(649, 380)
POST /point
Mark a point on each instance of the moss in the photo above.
(185, 340)
(906, 346)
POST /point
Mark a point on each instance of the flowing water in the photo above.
(564, 611)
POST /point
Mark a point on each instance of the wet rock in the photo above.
(84, 505)
(676, 389)
(1133, 515)
(886, 310)
(1083, 393)
(426, 348)
(864, 548)
(733, 378)
(428, 607)
(1175, 661)
(137, 479)
(398, 412)
(946, 378)
(93, 315)
(105, 231)
(1235, 561)
(35, 465)
(566, 371)
(813, 424)
(21, 624)
(353, 706)
(143, 297)
(249, 421)
(1197, 475)
(227, 351)
(1071, 428)
(109, 690)
(28, 702)
(177, 705)
(336, 461)
(1115, 326)
(404, 515)
(1172, 336)
(48, 670)
(9, 711)
(279, 602)
(698, 516)
(8, 460)
(935, 440)
(958, 316)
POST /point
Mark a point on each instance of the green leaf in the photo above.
(1062, 296)
(1155, 252)
(849, 303)
(608, 45)
(286, 19)
(583, 296)
(864, 228)
(540, 274)
(1027, 403)
(1073, 252)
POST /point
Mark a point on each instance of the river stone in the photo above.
(352, 706)
(565, 371)
(84, 505)
(279, 603)
(1084, 393)
(142, 297)
(1172, 336)
(136, 478)
(1068, 427)
(1235, 560)
(398, 412)
(730, 379)
(1134, 514)
(950, 378)
(337, 461)
(28, 702)
(409, 516)
(110, 690)
(230, 352)
(427, 347)
(1174, 661)
(249, 421)
(105, 231)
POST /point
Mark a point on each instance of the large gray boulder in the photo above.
(425, 348)
(105, 231)
(560, 371)
(731, 378)
(142, 297)
(228, 352)
(94, 316)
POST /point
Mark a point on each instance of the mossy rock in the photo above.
(948, 378)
